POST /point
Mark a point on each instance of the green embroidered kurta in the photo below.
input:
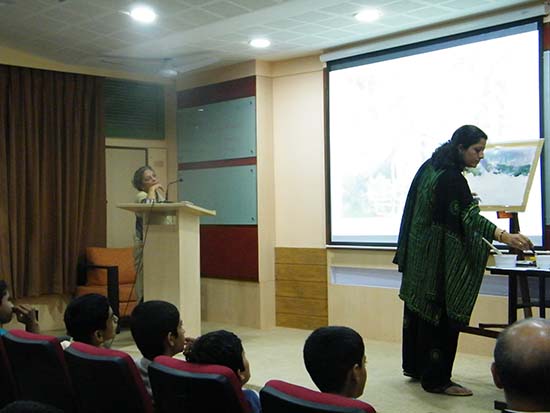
(440, 251)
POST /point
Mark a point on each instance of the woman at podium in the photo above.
(150, 190)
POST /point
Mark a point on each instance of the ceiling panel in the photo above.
(83, 32)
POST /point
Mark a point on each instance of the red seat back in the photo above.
(179, 386)
(106, 380)
(39, 369)
(281, 397)
(7, 381)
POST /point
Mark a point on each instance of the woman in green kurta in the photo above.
(442, 257)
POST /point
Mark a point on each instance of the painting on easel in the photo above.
(503, 179)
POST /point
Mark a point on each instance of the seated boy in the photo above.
(335, 360)
(157, 330)
(24, 313)
(225, 348)
(90, 319)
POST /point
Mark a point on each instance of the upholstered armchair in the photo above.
(110, 272)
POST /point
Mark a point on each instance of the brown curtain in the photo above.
(52, 177)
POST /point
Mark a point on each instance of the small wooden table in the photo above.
(517, 276)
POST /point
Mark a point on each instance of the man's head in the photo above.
(90, 319)
(157, 329)
(223, 348)
(6, 306)
(522, 364)
(335, 360)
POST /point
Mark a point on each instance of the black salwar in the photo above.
(429, 350)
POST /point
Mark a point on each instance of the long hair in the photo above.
(447, 156)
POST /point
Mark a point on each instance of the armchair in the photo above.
(110, 272)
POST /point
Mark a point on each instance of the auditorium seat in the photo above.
(106, 380)
(278, 396)
(179, 386)
(39, 369)
(7, 381)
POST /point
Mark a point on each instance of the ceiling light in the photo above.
(143, 14)
(368, 15)
(259, 42)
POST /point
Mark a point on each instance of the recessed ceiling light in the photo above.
(143, 14)
(368, 15)
(259, 42)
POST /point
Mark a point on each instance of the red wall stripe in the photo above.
(218, 92)
(229, 252)
(221, 163)
(546, 36)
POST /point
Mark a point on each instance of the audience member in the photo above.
(157, 330)
(335, 360)
(522, 365)
(25, 314)
(90, 319)
(225, 348)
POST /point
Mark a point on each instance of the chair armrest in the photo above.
(112, 285)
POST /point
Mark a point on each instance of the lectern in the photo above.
(171, 257)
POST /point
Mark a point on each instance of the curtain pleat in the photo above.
(52, 166)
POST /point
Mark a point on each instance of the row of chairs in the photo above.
(88, 379)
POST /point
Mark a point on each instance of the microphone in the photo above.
(168, 187)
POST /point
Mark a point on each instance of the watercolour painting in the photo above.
(502, 180)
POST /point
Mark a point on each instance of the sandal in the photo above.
(452, 389)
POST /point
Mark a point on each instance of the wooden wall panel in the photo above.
(301, 287)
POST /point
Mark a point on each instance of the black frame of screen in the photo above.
(440, 43)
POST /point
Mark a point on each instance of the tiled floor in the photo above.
(277, 353)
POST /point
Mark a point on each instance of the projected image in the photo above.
(502, 180)
(387, 114)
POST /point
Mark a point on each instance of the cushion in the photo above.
(318, 397)
(121, 257)
(123, 291)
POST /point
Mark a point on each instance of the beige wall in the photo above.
(298, 129)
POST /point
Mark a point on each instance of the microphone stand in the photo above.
(166, 201)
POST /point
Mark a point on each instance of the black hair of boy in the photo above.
(329, 355)
(218, 347)
(150, 323)
(85, 315)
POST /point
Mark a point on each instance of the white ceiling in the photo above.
(201, 33)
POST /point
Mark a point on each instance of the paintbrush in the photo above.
(495, 249)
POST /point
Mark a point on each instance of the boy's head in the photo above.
(223, 348)
(157, 329)
(335, 360)
(6, 306)
(90, 319)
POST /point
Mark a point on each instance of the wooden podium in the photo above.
(171, 259)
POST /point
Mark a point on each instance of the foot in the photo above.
(452, 389)
(412, 375)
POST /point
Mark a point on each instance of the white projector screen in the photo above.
(389, 111)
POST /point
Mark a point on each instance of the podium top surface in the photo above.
(167, 208)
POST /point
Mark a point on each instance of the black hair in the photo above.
(524, 371)
(447, 155)
(329, 355)
(150, 323)
(218, 347)
(86, 314)
(137, 180)
(3, 288)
